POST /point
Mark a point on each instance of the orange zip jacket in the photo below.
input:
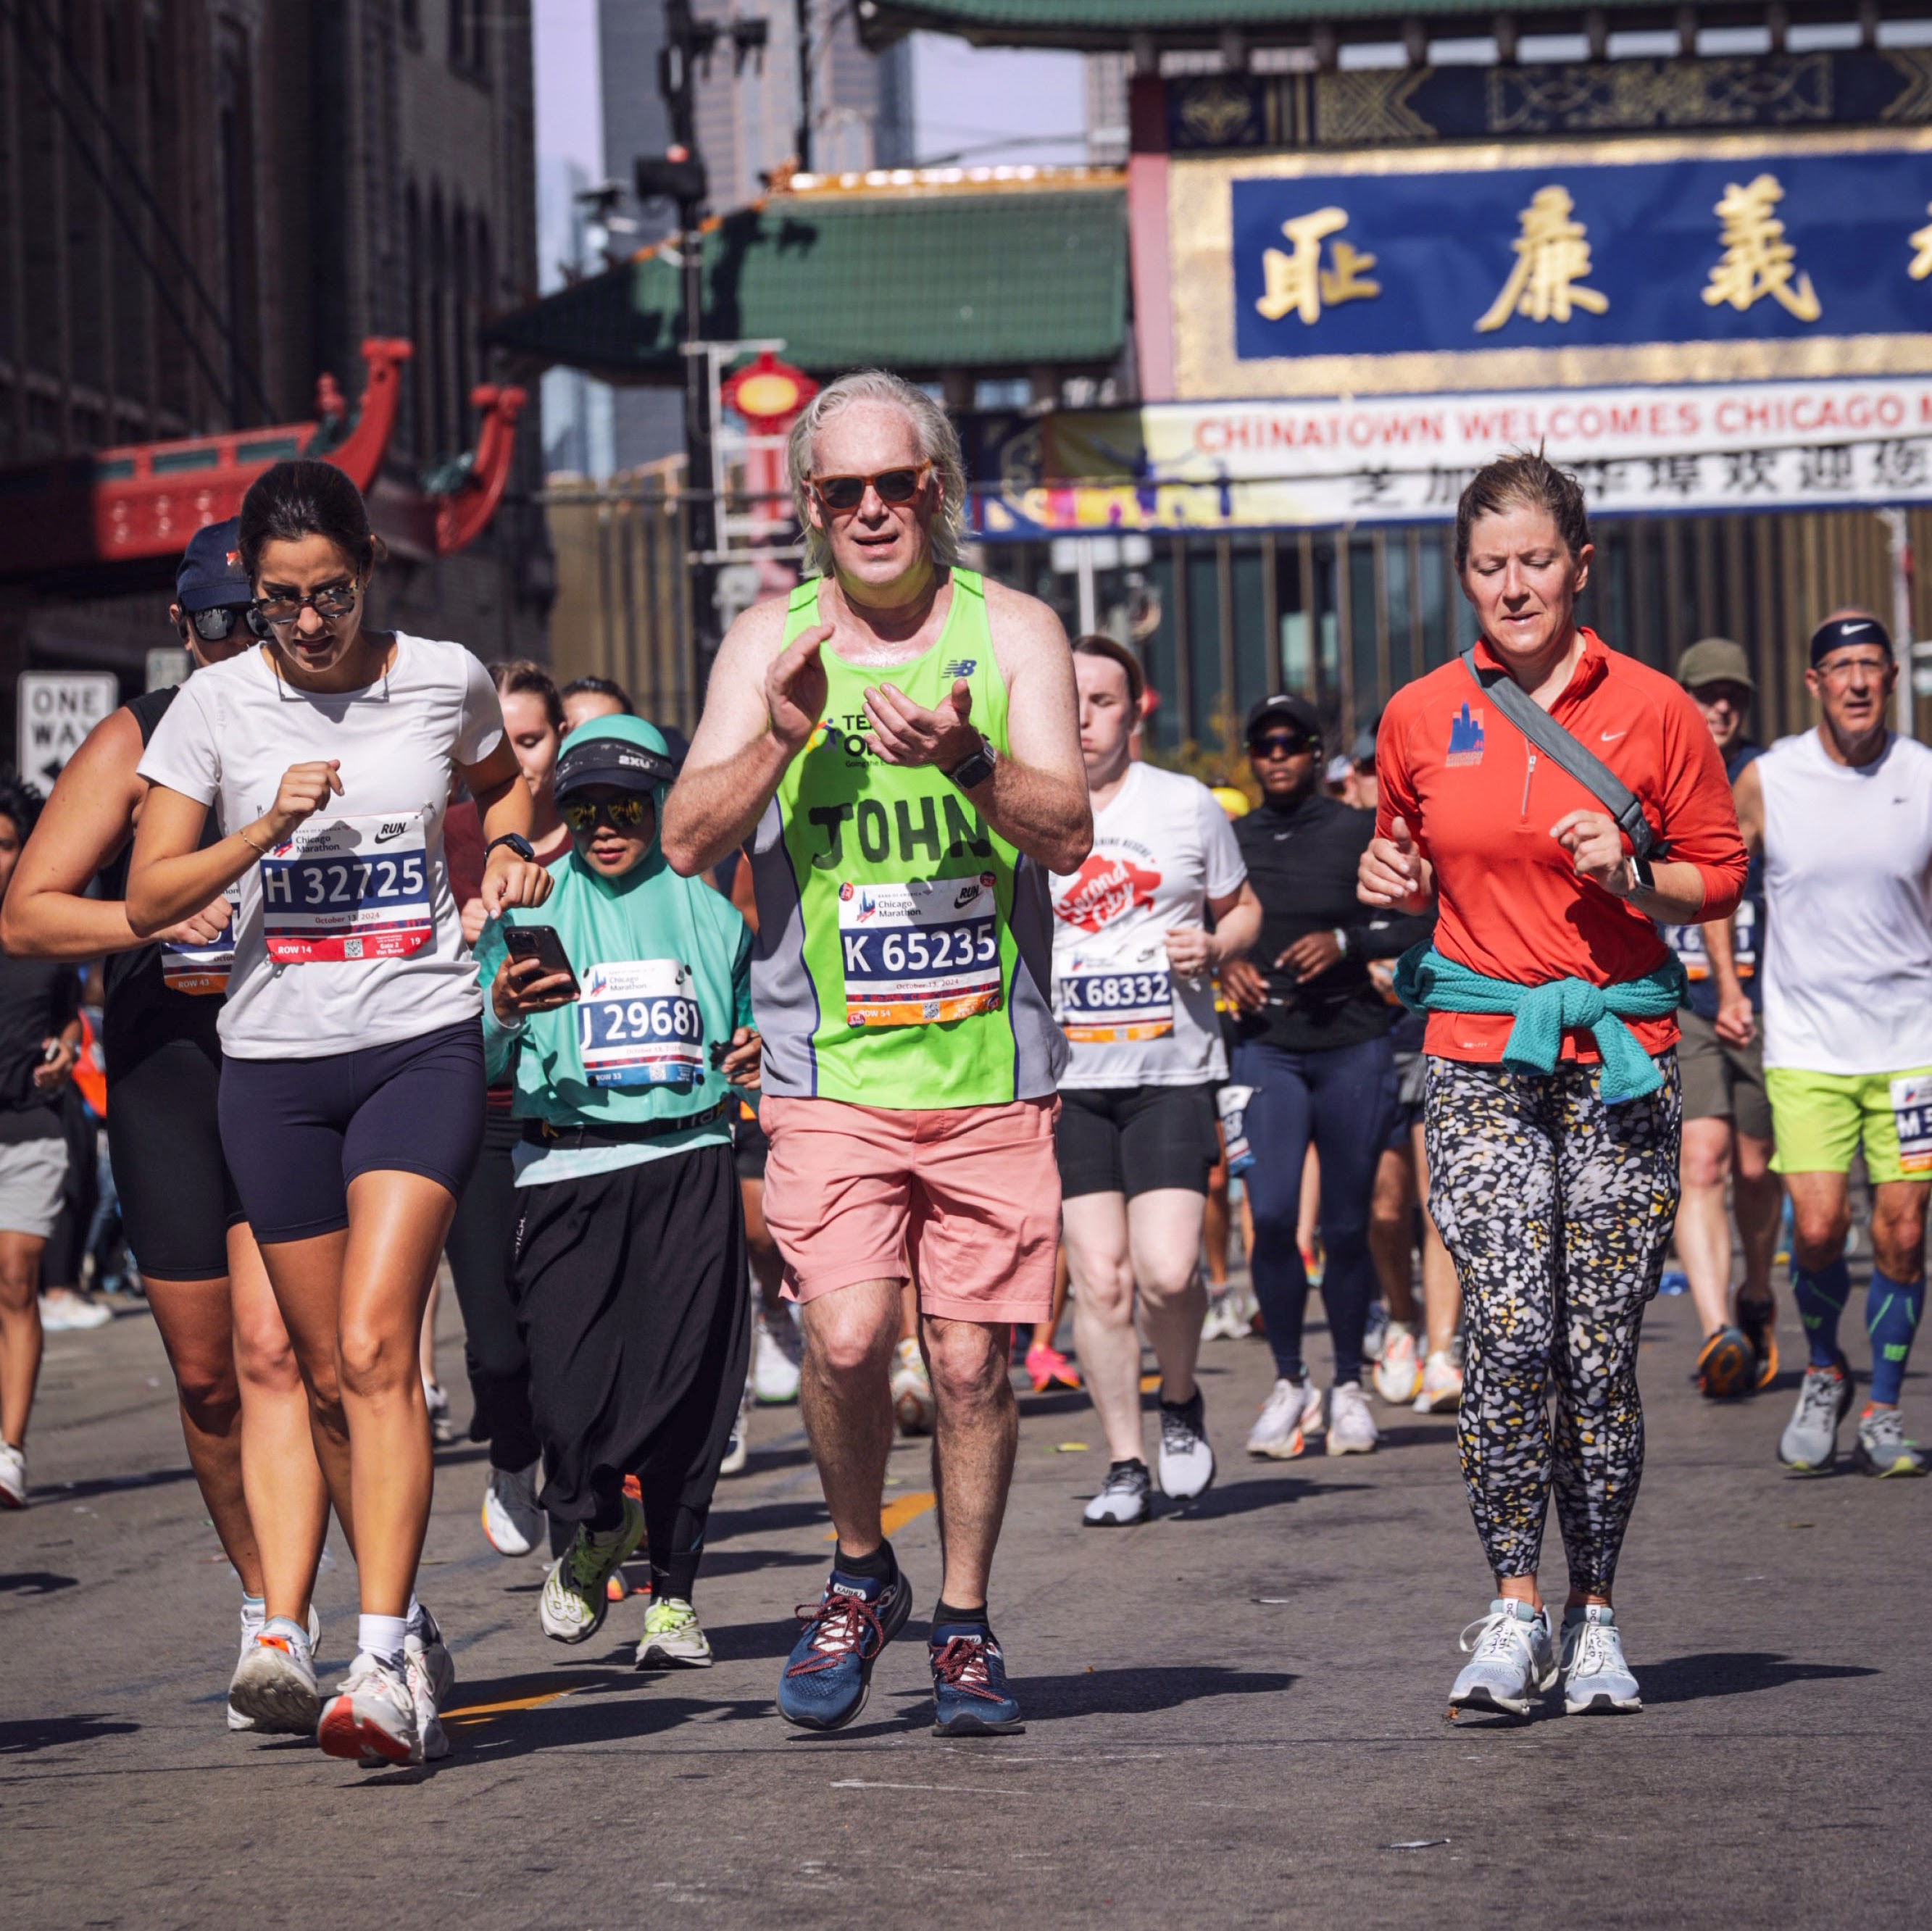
(1479, 799)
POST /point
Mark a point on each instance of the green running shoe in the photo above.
(1882, 1449)
(674, 1638)
(572, 1606)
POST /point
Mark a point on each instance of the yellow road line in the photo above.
(896, 1514)
(478, 1712)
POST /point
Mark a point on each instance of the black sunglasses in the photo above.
(621, 814)
(894, 486)
(1279, 744)
(216, 624)
(332, 599)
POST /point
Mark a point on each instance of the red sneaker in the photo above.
(1050, 1368)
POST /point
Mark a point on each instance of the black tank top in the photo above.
(140, 1010)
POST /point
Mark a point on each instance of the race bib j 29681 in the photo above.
(638, 1025)
(924, 952)
(348, 888)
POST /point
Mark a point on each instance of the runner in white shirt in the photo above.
(1133, 963)
(351, 1106)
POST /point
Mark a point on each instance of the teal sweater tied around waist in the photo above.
(1426, 981)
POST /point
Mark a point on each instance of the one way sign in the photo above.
(57, 709)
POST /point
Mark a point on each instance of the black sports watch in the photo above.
(517, 842)
(975, 768)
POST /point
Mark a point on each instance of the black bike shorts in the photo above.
(177, 1198)
(1133, 1140)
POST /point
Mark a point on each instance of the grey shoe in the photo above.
(1882, 1448)
(1122, 1499)
(1810, 1442)
(1512, 1660)
(1596, 1679)
(1187, 1461)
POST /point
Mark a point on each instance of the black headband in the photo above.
(1835, 633)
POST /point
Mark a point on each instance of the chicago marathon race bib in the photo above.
(638, 1025)
(1912, 1112)
(349, 889)
(1688, 942)
(1231, 1103)
(1113, 992)
(924, 952)
(202, 971)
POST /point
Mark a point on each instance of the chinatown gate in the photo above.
(1692, 262)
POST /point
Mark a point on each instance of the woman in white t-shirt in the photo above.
(351, 1091)
(1133, 966)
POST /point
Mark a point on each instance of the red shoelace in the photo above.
(845, 1625)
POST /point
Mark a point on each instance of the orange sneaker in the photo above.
(1050, 1368)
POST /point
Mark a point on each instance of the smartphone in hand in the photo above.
(542, 943)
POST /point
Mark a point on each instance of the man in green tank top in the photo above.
(896, 746)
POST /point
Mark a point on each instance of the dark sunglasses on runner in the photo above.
(843, 493)
(621, 814)
(217, 625)
(1278, 744)
(332, 599)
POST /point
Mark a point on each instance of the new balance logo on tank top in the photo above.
(904, 946)
(1848, 908)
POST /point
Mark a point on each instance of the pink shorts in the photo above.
(964, 1200)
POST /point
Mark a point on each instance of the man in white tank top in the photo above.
(1842, 817)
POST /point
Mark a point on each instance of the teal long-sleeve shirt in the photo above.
(665, 967)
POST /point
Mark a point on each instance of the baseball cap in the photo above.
(620, 751)
(1339, 770)
(1714, 660)
(211, 573)
(1284, 708)
(1363, 750)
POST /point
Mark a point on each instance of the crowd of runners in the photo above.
(821, 1057)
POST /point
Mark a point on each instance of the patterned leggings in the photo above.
(1558, 1210)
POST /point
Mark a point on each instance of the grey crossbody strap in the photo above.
(1582, 764)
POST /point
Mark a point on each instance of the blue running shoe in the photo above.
(969, 1684)
(830, 1670)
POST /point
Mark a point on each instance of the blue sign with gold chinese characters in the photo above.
(1721, 258)
(1543, 256)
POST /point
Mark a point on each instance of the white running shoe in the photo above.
(1225, 1320)
(1512, 1660)
(1398, 1375)
(13, 1476)
(65, 1311)
(441, 1429)
(912, 1389)
(512, 1523)
(1187, 1461)
(273, 1691)
(372, 1716)
(431, 1674)
(674, 1638)
(1124, 1498)
(1351, 1428)
(738, 1449)
(1441, 1391)
(1596, 1678)
(774, 1359)
(574, 1601)
(1292, 1413)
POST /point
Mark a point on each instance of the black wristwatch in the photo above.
(517, 842)
(975, 768)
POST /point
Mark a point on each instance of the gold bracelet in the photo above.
(260, 851)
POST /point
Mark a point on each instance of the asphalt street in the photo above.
(1235, 1712)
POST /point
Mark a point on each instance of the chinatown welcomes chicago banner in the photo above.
(1698, 325)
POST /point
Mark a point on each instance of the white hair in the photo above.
(938, 443)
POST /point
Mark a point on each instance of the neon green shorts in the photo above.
(1818, 1121)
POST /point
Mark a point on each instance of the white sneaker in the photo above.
(273, 1691)
(1351, 1428)
(774, 1359)
(441, 1429)
(431, 1674)
(738, 1449)
(13, 1476)
(912, 1390)
(1187, 1462)
(1441, 1391)
(674, 1638)
(1291, 1414)
(1124, 1499)
(1225, 1320)
(1596, 1678)
(1512, 1660)
(372, 1716)
(512, 1522)
(64, 1310)
(1398, 1375)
